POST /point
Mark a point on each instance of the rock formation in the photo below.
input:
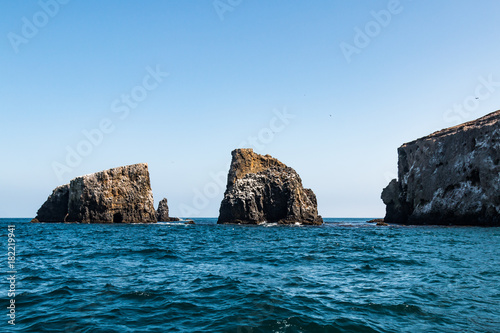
(162, 212)
(449, 177)
(55, 208)
(119, 195)
(376, 221)
(262, 189)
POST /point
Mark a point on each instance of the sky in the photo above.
(330, 88)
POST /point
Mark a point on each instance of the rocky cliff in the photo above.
(449, 177)
(55, 208)
(119, 195)
(262, 189)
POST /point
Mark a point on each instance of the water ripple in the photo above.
(346, 276)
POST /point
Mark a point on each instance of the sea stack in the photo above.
(451, 177)
(162, 213)
(118, 195)
(262, 189)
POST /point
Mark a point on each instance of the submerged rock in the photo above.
(376, 221)
(382, 223)
(262, 189)
(119, 195)
(449, 177)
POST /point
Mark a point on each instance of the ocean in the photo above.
(344, 276)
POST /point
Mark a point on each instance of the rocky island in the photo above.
(451, 177)
(118, 195)
(262, 189)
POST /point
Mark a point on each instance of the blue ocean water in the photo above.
(344, 276)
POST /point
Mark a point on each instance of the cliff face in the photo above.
(55, 208)
(449, 177)
(119, 195)
(262, 189)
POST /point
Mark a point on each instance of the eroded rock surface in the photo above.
(118, 195)
(162, 213)
(262, 189)
(449, 177)
(55, 208)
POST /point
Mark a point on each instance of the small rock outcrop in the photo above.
(262, 189)
(162, 212)
(382, 223)
(451, 177)
(118, 195)
(376, 221)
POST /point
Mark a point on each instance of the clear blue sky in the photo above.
(232, 66)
